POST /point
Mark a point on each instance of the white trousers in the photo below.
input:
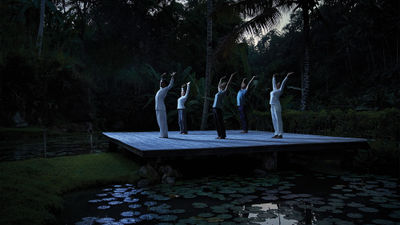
(162, 122)
(277, 118)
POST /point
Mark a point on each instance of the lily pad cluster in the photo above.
(284, 197)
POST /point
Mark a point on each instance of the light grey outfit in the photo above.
(161, 111)
(182, 99)
(276, 110)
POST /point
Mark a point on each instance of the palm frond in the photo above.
(267, 18)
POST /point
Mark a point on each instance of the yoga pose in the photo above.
(161, 111)
(182, 109)
(241, 103)
(217, 107)
(276, 105)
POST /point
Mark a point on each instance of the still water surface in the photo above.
(278, 198)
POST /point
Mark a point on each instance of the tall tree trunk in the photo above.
(306, 61)
(207, 82)
(39, 41)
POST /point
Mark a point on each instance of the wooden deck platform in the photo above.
(202, 143)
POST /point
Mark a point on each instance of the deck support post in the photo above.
(270, 161)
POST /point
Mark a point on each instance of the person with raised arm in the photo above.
(217, 106)
(182, 109)
(276, 110)
(241, 103)
(161, 111)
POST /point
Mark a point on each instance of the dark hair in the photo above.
(223, 85)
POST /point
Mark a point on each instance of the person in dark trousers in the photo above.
(241, 103)
(217, 106)
(182, 109)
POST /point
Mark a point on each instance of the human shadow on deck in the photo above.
(225, 140)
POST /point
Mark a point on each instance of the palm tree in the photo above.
(265, 14)
(209, 59)
(39, 41)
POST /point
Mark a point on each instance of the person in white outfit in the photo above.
(182, 110)
(276, 105)
(161, 111)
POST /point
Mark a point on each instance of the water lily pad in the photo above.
(177, 211)
(241, 219)
(131, 200)
(135, 206)
(189, 196)
(269, 214)
(199, 205)
(167, 217)
(130, 213)
(120, 190)
(103, 207)
(105, 220)
(206, 215)
(102, 195)
(148, 216)
(130, 220)
(227, 191)
(383, 222)
(389, 206)
(378, 199)
(355, 205)
(150, 203)
(115, 203)
(95, 201)
(224, 216)
(219, 209)
(354, 215)
(161, 209)
(368, 209)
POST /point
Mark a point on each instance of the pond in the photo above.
(20, 146)
(276, 198)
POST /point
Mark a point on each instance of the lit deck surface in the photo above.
(201, 143)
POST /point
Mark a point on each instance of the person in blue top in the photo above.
(241, 103)
(217, 107)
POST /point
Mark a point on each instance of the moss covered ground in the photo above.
(31, 190)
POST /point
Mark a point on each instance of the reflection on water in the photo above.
(280, 198)
(25, 146)
(277, 218)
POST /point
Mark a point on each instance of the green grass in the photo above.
(31, 190)
(22, 129)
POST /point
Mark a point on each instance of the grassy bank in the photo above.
(31, 190)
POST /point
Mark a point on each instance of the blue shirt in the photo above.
(218, 99)
(241, 97)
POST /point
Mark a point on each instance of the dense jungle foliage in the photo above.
(102, 59)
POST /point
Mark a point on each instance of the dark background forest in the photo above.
(101, 60)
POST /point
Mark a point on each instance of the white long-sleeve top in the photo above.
(160, 96)
(182, 99)
(276, 93)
